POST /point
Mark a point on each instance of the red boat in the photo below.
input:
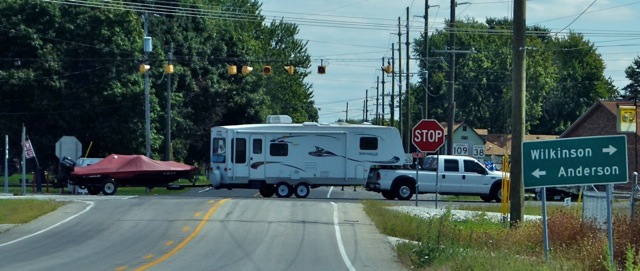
(128, 170)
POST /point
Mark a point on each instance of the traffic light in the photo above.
(322, 69)
(289, 69)
(246, 70)
(143, 68)
(387, 69)
(232, 70)
(168, 69)
(266, 70)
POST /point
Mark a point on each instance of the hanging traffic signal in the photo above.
(290, 69)
(246, 70)
(232, 70)
(387, 69)
(266, 70)
(168, 69)
(322, 69)
(143, 68)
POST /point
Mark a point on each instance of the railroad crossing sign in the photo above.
(575, 161)
(428, 135)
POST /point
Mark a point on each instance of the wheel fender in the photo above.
(403, 178)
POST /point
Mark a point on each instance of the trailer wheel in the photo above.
(388, 195)
(284, 190)
(93, 190)
(404, 190)
(109, 187)
(267, 190)
(301, 190)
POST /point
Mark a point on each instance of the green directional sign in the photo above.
(575, 161)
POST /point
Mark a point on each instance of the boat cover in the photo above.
(119, 166)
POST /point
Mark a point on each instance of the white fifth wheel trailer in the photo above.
(291, 158)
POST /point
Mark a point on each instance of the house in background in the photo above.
(601, 120)
(466, 141)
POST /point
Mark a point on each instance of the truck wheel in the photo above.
(301, 190)
(496, 192)
(93, 190)
(388, 195)
(486, 198)
(404, 190)
(109, 187)
(284, 190)
(267, 190)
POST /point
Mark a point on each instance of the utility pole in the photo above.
(393, 85)
(452, 76)
(167, 154)
(346, 118)
(383, 104)
(366, 105)
(377, 99)
(400, 82)
(408, 99)
(147, 110)
(426, 58)
(518, 110)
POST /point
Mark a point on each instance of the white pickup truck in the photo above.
(444, 174)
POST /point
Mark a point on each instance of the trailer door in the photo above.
(257, 154)
(239, 157)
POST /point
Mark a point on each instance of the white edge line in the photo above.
(53, 226)
(329, 194)
(345, 258)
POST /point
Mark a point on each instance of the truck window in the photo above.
(430, 163)
(474, 167)
(369, 143)
(451, 165)
(278, 149)
(218, 151)
(239, 150)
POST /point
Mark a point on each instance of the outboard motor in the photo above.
(66, 167)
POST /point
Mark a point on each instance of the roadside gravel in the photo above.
(426, 212)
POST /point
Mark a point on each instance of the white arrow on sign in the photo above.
(538, 173)
(610, 150)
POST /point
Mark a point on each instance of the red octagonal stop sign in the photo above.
(428, 135)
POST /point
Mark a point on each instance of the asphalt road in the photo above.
(203, 230)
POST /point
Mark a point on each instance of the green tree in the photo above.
(632, 90)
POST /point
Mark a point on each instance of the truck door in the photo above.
(257, 156)
(450, 176)
(240, 168)
(475, 177)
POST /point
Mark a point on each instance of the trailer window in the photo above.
(451, 165)
(218, 150)
(278, 149)
(257, 146)
(369, 143)
(239, 150)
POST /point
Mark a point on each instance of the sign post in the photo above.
(427, 136)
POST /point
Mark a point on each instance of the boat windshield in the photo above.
(218, 151)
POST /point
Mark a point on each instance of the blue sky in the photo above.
(352, 36)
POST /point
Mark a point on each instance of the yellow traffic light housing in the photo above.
(387, 69)
(290, 69)
(322, 69)
(232, 70)
(266, 70)
(143, 68)
(246, 70)
(168, 69)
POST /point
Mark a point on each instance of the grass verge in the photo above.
(20, 211)
(442, 243)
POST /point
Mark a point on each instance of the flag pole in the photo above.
(24, 158)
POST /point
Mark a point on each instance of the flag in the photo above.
(28, 150)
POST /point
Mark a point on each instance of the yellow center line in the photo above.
(185, 241)
(121, 268)
(185, 229)
(149, 256)
(197, 214)
(169, 243)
